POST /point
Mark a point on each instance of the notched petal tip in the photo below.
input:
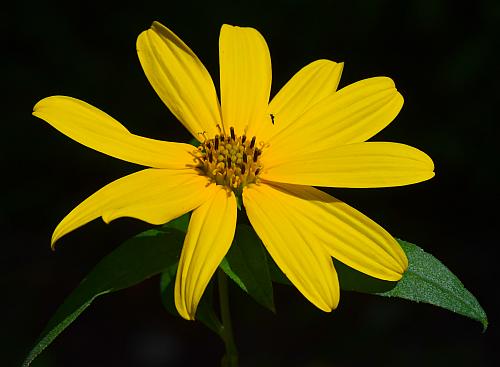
(46, 103)
(156, 24)
(38, 105)
(226, 27)
(161, 30)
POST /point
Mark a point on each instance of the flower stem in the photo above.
(230, 359)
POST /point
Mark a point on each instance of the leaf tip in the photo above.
(484, 322)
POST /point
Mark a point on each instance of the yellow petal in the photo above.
(347, 235)
(97, 130)
(209, 236)
(180, 80)
(351, 115)
(307, 87)
(155, 196)
(245, 78)
(361, 165)
(304, 261)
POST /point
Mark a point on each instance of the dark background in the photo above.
(444, 59)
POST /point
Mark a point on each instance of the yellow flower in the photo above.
(270, 154)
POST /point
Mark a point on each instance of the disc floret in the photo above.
(230, 160)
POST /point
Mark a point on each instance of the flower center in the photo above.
(230, 160)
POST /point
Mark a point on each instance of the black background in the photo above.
(444, 59)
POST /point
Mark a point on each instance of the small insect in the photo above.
(272, 118)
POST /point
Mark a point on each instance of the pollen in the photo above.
(230, 160)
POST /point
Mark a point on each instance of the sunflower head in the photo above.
(230, 160)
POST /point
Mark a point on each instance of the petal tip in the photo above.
(186, 315)
(42, 103)
(183, 310)
(37, 107)
(55, 238)
(328, 305)
(107, 217)
(396, 272)
(226, 26)
(157, 26)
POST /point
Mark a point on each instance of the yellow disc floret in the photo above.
(230, 160)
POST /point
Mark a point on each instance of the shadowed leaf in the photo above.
(137, 259)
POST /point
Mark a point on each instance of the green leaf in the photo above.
(167, 282)
(426, 280)
(205, 312)
(246, 264)
(194, 142)
(277, 275)
(181, 223)
(141, 257)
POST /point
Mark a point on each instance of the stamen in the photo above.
(255, 155)
(228, 160)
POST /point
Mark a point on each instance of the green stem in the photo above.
(231, 357)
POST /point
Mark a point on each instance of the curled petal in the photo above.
(155, 196)
(180, 80)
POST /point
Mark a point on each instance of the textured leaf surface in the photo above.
(246, 264)
(426, 280)
(141, 257)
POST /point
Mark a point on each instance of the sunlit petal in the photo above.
(180, 79)
(306, 88)
(348, 235)
(155, 196)
(361, 165)
(304, 261)
(209, 236)
(245, 78)
(97, 130)
(351, 115)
